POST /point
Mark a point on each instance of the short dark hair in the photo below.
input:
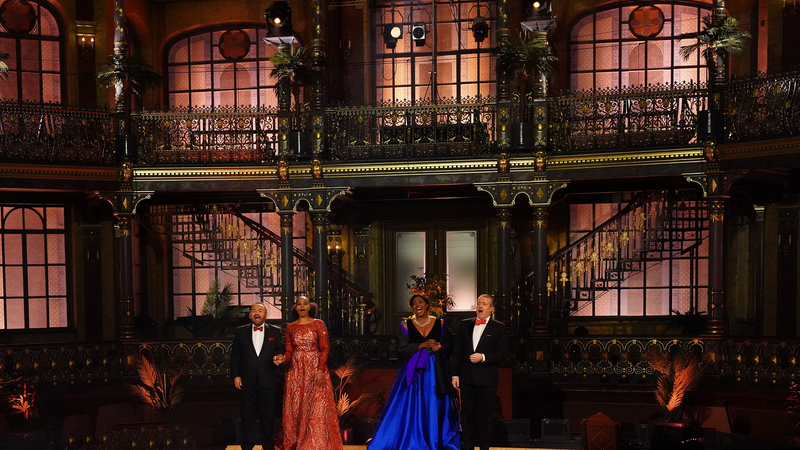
(411, 300)
(312, 311)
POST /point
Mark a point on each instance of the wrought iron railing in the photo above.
(405, 131)
(51, 133)
(207, 136)
(762, 107)
(657, 116)
(636, 117)
(737, 360)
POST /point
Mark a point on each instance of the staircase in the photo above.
(653, 228)
(222, 237)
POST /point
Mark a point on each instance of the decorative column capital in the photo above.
(318, 198)
(539, 193)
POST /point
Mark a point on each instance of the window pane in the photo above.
(58, 312)
(462, 268)
(57, 281)
(37, 312)
(410, 260)
(15, 309)
(37, 281)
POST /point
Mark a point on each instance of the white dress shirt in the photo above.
(476, 334)
(258, 338)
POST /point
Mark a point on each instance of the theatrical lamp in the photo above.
(279, 19)
(418, 33)
(480, 29)
(391, 33)
(540, 9)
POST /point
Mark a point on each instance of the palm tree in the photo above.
(715, 41)
(292, 69)
(524, 62)
(133, 73)
(126, 74)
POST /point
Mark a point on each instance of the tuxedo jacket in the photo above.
(255, 369)
(493, 345)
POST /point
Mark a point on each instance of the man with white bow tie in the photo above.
(480, 346)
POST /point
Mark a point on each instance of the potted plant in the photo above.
(344, 406)
(524, 62)
(128, 75)
(678, 374)
(715, 42)
(432, 286)
(293, 72)
(217, 315)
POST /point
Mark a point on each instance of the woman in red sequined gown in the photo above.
(310, 421)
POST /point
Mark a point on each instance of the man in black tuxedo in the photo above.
(257, 351)
(480, 346)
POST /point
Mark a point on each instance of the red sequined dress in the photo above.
(310, 421)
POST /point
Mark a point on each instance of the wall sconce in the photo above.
(84, 34)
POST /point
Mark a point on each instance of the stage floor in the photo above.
(363, 447)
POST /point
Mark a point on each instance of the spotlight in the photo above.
(279, 19)
(480, 29)
(391, 33)
(418, 33)
(540, 9)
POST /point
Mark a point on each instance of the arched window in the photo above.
(30, 34)
(221, 67)
(634, 45)
(449, 63)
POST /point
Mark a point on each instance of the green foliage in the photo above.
(159, 389)
(715, 41)
(292, 68)
(691, 323)
(133, 72)
(523, 60)
(217, 315)
(432, 286)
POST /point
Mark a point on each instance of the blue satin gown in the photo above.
(416, 416)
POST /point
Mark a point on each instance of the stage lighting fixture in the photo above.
(540, 9)
(279, 19)
(418, 33)
(480, 29)
(391, 33)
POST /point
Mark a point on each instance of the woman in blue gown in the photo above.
(419, 414)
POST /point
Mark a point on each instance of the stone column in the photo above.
(503, 257)
(319, 222)
(540, 255)
(124, 238)
(287, 262)
(716, 284)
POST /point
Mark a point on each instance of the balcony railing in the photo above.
(651, 117)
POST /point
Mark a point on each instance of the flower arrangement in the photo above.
(432, 286)
(159, 389)
(677, 375)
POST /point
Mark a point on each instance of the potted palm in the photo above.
(715, 42)
(127, 75)
(678, 374)
(525, 63)
(217, 315)
(293, 72)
